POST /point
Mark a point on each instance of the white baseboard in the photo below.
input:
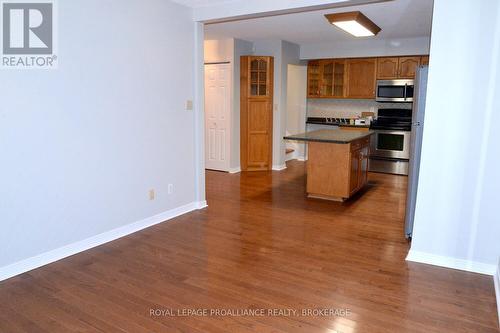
(235, 170)
(279, 167)
(43, 259)
(496, 278)
(301, 158)
(450, 262)
(199, 205)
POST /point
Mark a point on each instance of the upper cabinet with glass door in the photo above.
(332, 78)
(313, 79)
(259, 76)
(356, 77)
(339, 78)
(326, 78)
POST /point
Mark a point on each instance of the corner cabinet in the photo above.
(313, 79)
(256, 112)
(361, 76)
(424, 60)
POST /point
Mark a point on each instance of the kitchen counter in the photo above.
(337, 124)
(341, 122)
(330, 136)
(337, 162)
(354, 126)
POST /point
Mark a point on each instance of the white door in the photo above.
(217, 119)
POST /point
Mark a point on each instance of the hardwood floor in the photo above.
(259, 245)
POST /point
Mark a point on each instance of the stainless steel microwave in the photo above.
(394, 91)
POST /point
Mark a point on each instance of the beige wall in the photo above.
(219, 50)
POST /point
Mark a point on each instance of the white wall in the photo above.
(82, 145)
(366, 48)
(456, 219)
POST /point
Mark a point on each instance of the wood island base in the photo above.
(336, 171)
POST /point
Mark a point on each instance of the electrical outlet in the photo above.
(152, 194)
(189, 105)
(170, 188)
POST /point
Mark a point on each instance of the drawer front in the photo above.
(355, 145)
(358, 144)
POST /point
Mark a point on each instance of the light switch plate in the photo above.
(189, 105)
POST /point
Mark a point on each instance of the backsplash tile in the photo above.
(347, 108)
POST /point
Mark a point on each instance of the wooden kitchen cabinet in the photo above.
(256, 112)
(355, 166)
(332, 83)
(387, 68)
(408, 67)
(326, 83)
(359, 168)
(314, 78)
(356, 78)
(339, 78)
(361, 76)
(326, 78)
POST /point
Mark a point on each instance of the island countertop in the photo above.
(331, 136)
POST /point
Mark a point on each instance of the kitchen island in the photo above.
(337, 164)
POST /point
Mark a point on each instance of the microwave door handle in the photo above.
(406, 90)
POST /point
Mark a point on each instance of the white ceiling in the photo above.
(398, 19)
(202, 3)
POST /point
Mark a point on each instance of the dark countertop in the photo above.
(331, 136)
(323, 121)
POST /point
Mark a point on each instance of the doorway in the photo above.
(296, 104)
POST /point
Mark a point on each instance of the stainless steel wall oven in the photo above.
(390, 146)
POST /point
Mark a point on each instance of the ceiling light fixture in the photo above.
(354, 23)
